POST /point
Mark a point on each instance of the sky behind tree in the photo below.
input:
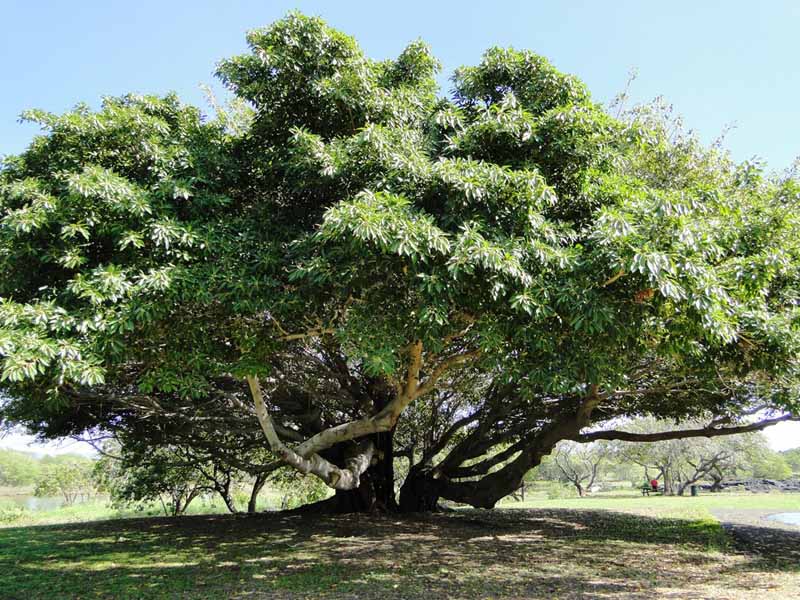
(720, 63)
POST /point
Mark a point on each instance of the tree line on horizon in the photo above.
(172, 480)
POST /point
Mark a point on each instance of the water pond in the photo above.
(33, 503)
(791, 518)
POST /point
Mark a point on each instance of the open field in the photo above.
(571, 549)
(699, 507)
(100, 509)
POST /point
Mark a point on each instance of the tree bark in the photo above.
(230, 504)
(375, 492)
(381, 475)
(418, 493)
(258, 484)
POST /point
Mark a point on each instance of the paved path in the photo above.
(753, 533)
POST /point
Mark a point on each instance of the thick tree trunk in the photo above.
(669, 483)
(375, 492)
(418, 493)
(381, 475)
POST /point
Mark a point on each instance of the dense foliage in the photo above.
(477, 276)
(792, 457)
(69, 477)
(18, 469)
(138, 473)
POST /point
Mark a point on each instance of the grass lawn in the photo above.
(686, 507)
(100, 509)
(569, 549)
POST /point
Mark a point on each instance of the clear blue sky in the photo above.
(718, 62)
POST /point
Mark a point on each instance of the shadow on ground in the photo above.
(769, 547)
(469, 554)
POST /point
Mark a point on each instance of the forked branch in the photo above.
(305, 457)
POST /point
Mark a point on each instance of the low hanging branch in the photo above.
(347, 478)
(305, 457)
(709, 432)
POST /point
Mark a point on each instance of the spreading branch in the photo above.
(346, 478)
(708, 432)
(305, 457)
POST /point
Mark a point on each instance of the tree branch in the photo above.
(611, 280)
(442, 442)
(347, 478)
(305, 457)
(443, 367)
(709, 432)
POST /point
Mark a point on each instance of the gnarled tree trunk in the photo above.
(419, 492)
(375, 492)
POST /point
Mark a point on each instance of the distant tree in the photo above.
(18, 468)
(792, 457)
(617, 469)
(767, 464)
(137, 473)
(680, 463)
(68, 477)
(133, 481)
(579, 464)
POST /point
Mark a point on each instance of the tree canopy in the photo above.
(365, 267)
(18, 468)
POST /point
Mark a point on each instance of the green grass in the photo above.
(565, 548)
(681, 507)
(212, 557)
(100, 509)
(629, 501)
